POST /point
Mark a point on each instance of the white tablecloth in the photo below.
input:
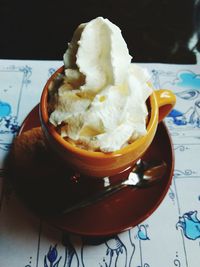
(169, 237)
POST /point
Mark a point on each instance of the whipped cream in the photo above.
(99, 102)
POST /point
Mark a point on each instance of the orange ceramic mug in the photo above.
(99, 164)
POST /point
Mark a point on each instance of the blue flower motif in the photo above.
(175, 113)
(190, 225)
(178, 117)
(142, 233)
(189, 79)
(5, 109)
(51, 257)
(9, 124)
(52, 254)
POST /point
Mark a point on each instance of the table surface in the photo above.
(169, 237)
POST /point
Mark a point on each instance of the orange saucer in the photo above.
(124, 209)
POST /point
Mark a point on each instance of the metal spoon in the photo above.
(144, 174)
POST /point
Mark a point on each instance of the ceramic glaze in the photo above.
(99, 164)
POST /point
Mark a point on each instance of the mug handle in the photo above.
(166, 101)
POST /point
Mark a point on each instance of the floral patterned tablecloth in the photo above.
(169, 237)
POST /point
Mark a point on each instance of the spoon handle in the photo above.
(96, 197)
(143, 175)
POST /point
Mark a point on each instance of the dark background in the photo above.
(154, 30)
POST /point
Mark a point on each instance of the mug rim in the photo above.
(50, 129)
